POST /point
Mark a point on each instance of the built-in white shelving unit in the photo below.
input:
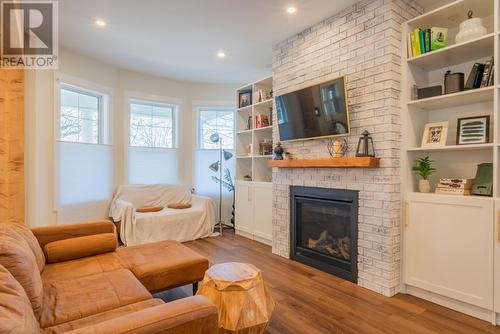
(451, 244)
(253, 205)
(250, 161)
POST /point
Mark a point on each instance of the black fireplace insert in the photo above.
(324, 229)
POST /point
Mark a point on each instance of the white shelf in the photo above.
(452, 14)
(452, 197)
(268, 101)
(263, 156)
(270, 127)
(244, 132)
(456, 99)
(455, 54)
(472, 147)
(244, 108)
(244, 157)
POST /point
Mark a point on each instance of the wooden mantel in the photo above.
(345, 162)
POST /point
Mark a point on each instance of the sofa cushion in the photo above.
(82, 267)
(16, 313)
(165, 264)
(68, 300)
(100, 317)
(17, 257)
(24, 232)
(76, 248)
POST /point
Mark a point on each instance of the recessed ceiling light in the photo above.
(221, 54)
(100, 23)
(291, 10)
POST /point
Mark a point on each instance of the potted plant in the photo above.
(424, 169)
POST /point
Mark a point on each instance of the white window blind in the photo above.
(152, 153)
(85, 173)
(85, 161)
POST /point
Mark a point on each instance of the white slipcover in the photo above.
(167, 224)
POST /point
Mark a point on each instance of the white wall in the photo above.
(41, 206)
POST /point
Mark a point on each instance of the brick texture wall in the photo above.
(363, 42)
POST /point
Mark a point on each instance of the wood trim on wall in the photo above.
(12, 146)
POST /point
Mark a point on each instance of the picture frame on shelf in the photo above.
(244, 99)
(435, 134)
(473, 130)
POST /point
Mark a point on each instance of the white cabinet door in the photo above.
(263, 211)
(449, 246)
(497, 257)
(244, 208)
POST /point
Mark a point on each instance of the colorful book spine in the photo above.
(416, 42)
(487, 73)
(427, 40)
(421, 36)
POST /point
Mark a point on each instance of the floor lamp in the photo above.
(217, 167)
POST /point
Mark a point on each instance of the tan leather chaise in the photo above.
(159, 266)
(81, 282)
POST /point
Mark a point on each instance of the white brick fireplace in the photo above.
(363, 42)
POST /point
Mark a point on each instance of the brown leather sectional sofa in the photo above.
(73, 278)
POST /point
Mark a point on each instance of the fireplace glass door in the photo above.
(325, 227)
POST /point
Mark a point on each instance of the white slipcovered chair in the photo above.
(168, 224)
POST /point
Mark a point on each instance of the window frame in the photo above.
(217, 108)
(154, 103)
(102, 113)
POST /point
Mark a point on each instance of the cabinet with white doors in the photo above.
(449, 251)
(253, 210)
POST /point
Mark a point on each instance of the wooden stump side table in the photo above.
(243, 299)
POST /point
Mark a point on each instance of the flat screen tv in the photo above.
(314, 112)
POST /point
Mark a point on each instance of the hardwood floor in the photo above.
(310, 301)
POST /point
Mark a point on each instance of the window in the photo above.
(84, 172)
(152, 125)
(80, 116)
(153, 153)
(215, 120)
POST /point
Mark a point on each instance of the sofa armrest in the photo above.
(46, 234)
(196, 315)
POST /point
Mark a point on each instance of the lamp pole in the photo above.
(220, 185)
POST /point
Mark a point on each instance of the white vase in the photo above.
(470, 29)
(424, 186)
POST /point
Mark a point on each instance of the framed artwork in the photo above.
(473, 130)
(245, 99)
(435, 134)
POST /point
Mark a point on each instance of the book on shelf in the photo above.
(439, 38)
(454, 186)
(261, 120)
(475, 76)
(421, 41)
(421, 36)
(456, 180)
(488, 73)
(451, 191)
(481, 75)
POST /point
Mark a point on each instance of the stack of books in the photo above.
(454, 186)
(481, 75)
(261, 121)
(421, 41)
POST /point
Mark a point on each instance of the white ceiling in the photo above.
(179, 39)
